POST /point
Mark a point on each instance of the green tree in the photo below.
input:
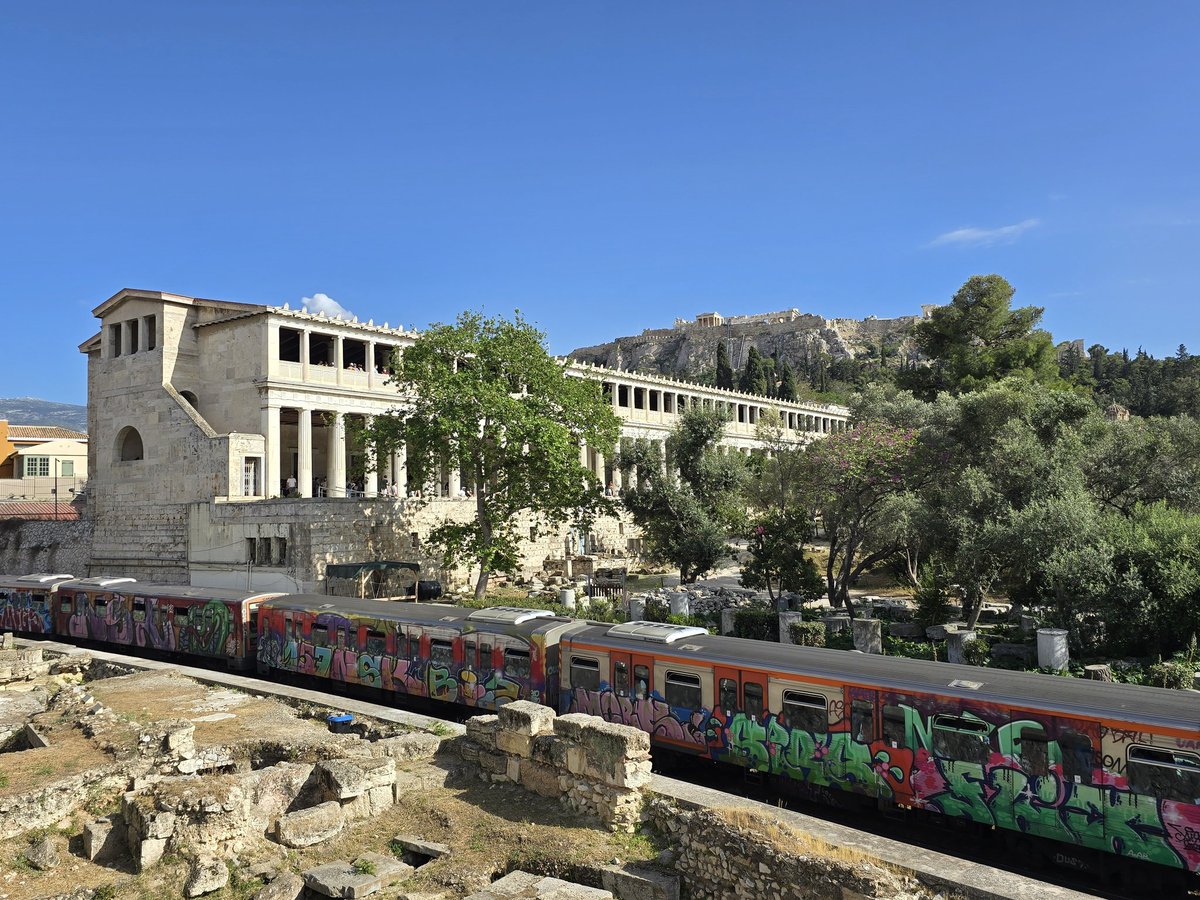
(776, 556)
(853, 476)
(787, 383)
(724, 369)
(754, 376)
(979, 339)
(686, 520)
(486, 396)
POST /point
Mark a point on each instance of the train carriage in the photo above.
(1107, 767)
(26, 600)
(175, 620)
(481, 658)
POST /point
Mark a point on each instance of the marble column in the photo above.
(454, 478)
(337, 452)
(371, 478)
(270, 428)
(305, 343)
(304, 475)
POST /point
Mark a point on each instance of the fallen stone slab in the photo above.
(414, 844)
(343, 779)
(306, 827)
(632, 882)
(520, 884)
(368, 874)
(42, 855)
(207, 874)
(288, 886)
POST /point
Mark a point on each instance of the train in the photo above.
(1100, 771)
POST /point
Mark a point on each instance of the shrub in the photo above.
(1175, 675)
(756, 624)
(933, 606)
(657, 610)
(807, 634)
(977, 652)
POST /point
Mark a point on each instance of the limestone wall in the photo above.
(721, 854)
(594, 767)
(62, 546)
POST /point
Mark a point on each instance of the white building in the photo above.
(201, 411)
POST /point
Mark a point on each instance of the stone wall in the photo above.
(594, 767)
(32, 546)
(721, 854)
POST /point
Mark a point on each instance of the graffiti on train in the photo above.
(1037, 777)
(364, 652)
(200, 628)
(22, 611)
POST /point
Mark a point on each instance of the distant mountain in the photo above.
(32, 411)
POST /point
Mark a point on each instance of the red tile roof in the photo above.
(44, 433)
(36, 509)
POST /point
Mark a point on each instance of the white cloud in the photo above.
(984, 237)
(323, 303)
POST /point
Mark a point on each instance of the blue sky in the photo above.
(603, 167)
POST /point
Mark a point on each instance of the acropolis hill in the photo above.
(689, 348)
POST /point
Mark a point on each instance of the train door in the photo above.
(858, 759)
(728, 691)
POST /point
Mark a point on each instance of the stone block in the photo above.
(1052, 649)
(512, 771)
(639, 882)
(514, 743)
(541, 779)
(525, 717)
(306, 827)
(956, 644)
(34, 738)
(287, 886)
(411, 746)
(372, 802)
(103, 839)
(414, 844)
(836, 624)
(342, 779)
(785, 622)
(341, 879)
(42, 854)
(727, 617)
(158, 824)
(907, 630)
(206, 874)
(868, 635)
(493, 763)
(148, 852)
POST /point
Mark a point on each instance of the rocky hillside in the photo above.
(32, 411)
(689, 349)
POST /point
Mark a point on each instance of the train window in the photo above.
(441, 653)
(621, 679)
(3, 596)
(1165, 774)
(752, 700)
(516, 663)
(964, 740)
(485, 657)
(862, 721)
(139, 606)
(100, 606)
(181, 612)
(683, 689)
(1035, 753)
(320, 635)
(585, 673)
(39, 600)
(64, 605)
(727, 694)
(376, 643)
(401, 645)
(80, 604)
(895, 731)
(469, 654)
(804, 711)
(641, 682)
(1076, 757)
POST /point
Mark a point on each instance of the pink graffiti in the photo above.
(1182, 821)
(649, 715)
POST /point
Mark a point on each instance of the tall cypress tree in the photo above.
(787, 382)
(754, 377)
(724, 369)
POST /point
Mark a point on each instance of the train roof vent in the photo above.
(655, 632)
(103, 581)
(44, 578)
(509, 615)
